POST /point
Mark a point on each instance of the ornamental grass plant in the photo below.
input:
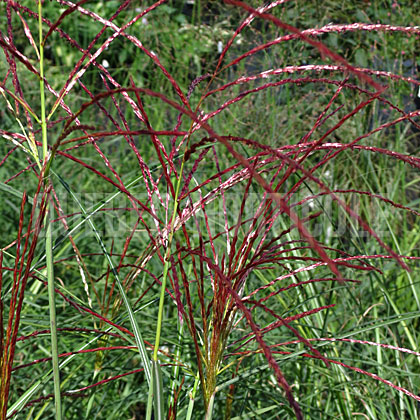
(209, 210)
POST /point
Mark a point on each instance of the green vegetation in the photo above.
(220, 219)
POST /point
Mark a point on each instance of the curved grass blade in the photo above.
(133, 321)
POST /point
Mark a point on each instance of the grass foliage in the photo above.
(209, 210)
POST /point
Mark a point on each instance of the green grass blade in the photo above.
(192, 399)
(158, 394)
(13, 191)
(134, 325)
(53, 318)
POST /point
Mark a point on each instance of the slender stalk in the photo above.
(166, 266)
(161, 301)
(48, 239)
(157, 389)
(155, 361)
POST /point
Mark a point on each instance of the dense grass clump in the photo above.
(209, 210)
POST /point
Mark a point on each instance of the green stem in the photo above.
(160, 312)
(48, 239)
(166, 266)
(157, 390)
(41, 84)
